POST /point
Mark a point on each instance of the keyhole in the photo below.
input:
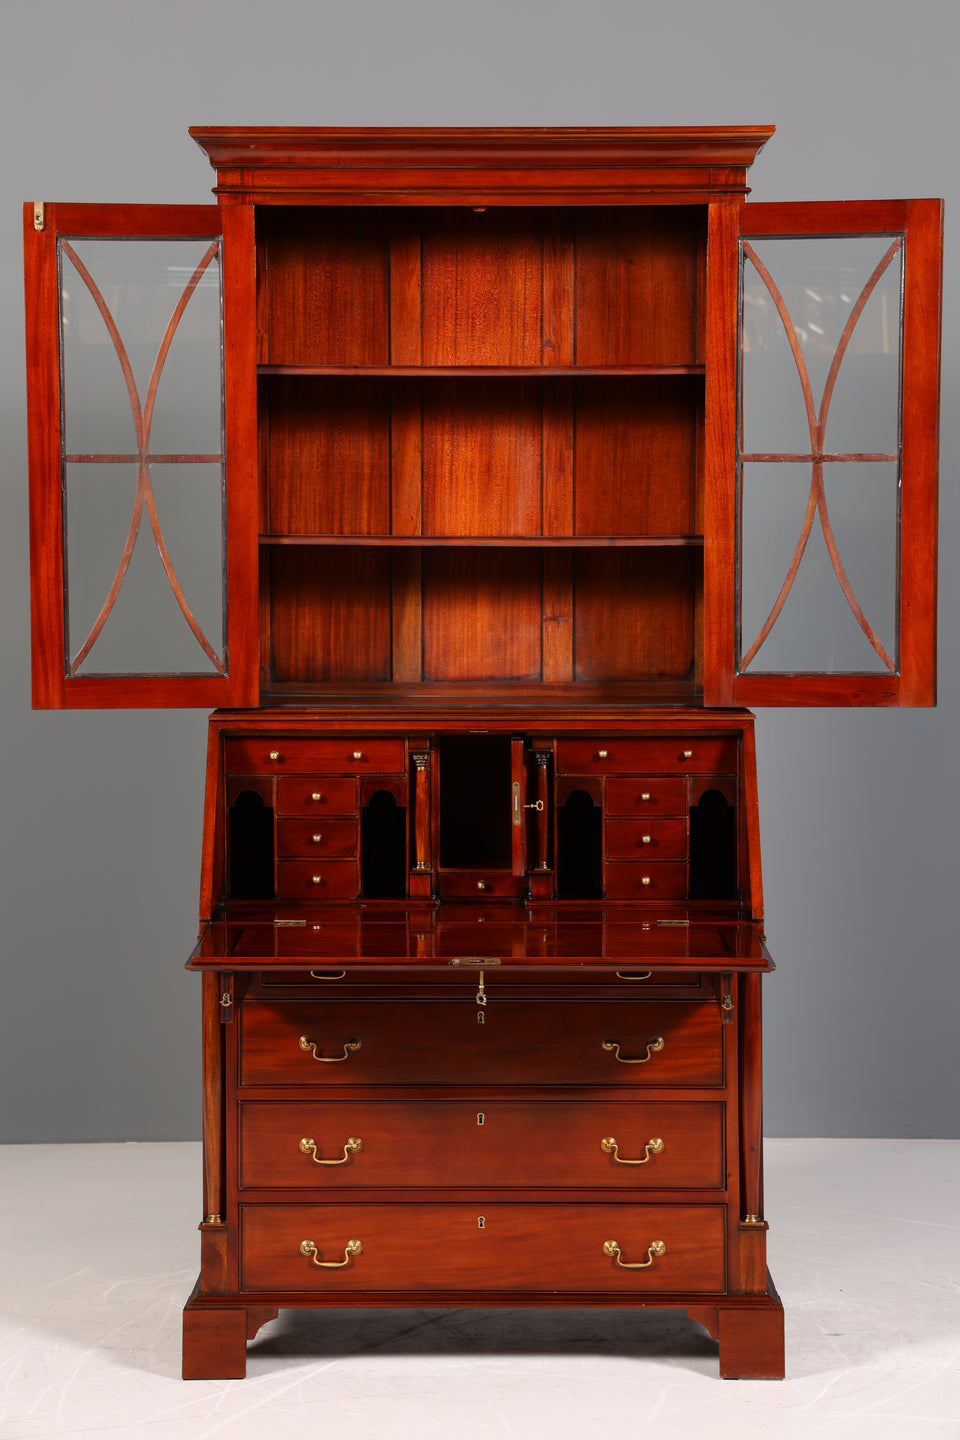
(480, 1117)
(480, 1017)
(481, 1221)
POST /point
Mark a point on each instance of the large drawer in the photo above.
(520, 1247)
(690, 755)
(279, 754)
(431, 1042)
(610, 1144)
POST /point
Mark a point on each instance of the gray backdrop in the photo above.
(101, 812)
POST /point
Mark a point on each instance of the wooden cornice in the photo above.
(500, 166)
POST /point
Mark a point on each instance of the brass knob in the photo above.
(274, 754)
(602, 754)
(481, 884)
(644, 795)
(318, 880)
(644, 839)
(316, 839)
(645, 880)
(358, 754)
(688, 755)
(316, 795)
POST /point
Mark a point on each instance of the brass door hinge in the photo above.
(38, 208)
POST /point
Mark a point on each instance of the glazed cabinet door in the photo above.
(143, 556)
(820, 572)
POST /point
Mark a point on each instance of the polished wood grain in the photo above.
(645, 880)
(325, 283)
(636, 285)
(330, 615)
(482, 287)
(317, 795)
(481, 1141)
(520, 1042)
(321, 879)
(635, 456)
(482, 615)
(691, 754)
(441, 1247)
(482, 457)
(271, 749)
(328, 456)
(633, 615)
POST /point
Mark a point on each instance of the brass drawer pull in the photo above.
(609, 1147)
(687, 755)
(309, 1147)
(643, 975)
(656, 1042)
(316, 795)
(353, 1247)
(610, 1247)
(348, 1045)
(328, 975)
(274, 754)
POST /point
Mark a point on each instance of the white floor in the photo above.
(99, 1251)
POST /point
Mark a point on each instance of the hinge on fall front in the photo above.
(38, 208)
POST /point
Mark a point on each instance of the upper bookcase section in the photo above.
(530, 166)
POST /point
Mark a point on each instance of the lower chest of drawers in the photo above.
(396, 1144)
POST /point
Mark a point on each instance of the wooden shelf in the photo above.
(538, 542)
(470, 371)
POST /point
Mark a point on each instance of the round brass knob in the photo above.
(274, 754)
(316, 839)
(316, 795)
(318, 880)
(644, 839)
(645, 795)
(358, 754)
(688, 754)
(602, 754)
(481, 884)
(645, 880)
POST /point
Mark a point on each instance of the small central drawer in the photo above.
(312, 838)
(456, 1042)
(639, 880)
(611, 1144)
(646, 795)
(653, 839)
(266, 755)
(318, 879)
(496, 1246)
(317, 795)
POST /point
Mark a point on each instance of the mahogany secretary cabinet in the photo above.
(453, 467)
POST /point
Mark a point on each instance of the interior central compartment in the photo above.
(474, 801)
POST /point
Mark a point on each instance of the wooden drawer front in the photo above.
(646, 840)
(646, 795)
(304, 837)
(636, 880)
(316, 879)
(317, 795)
(518, 983)
(287, 754)
(430, 1042)
(479, 884)
(693, 755)
(526, 1247)
(481, 1142)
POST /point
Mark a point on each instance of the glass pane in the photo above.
(816, 628)
(819, 282)
(143, 475)
(145, 618)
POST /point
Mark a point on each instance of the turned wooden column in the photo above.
(421, 876)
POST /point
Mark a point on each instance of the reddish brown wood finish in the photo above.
(441, 1043)
(533, 1247)
(481, 1142)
